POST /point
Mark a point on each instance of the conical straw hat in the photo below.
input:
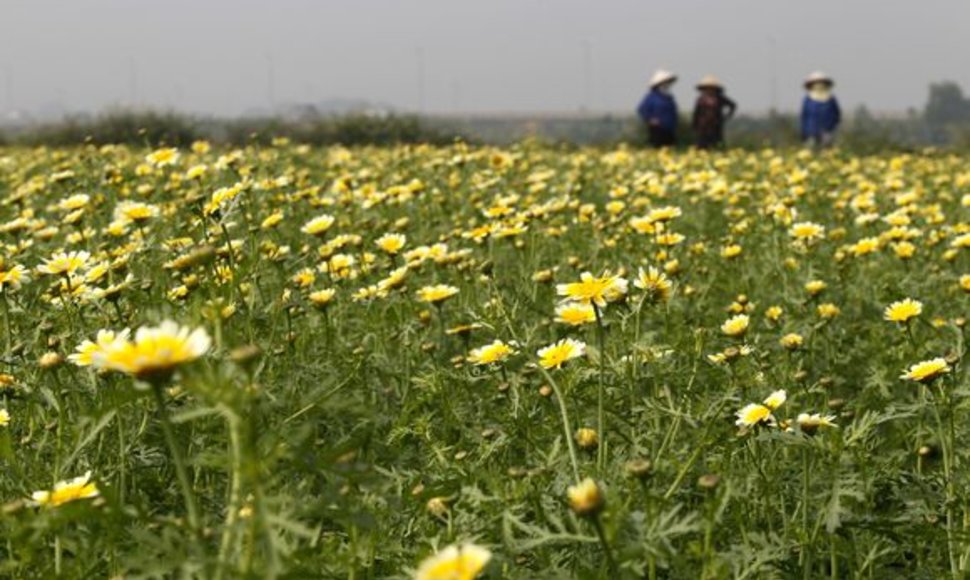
(662, 76)
(709, 81)
(818, 77)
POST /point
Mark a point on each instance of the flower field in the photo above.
(461, 362)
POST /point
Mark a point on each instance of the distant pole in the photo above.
(587, 75)
(419, 56)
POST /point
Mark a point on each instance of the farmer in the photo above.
(711, 110)
(659, 110)
(820, 111)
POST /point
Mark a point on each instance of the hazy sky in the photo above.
(228, 56)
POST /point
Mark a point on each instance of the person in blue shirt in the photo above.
(820, 111)
(659, 110)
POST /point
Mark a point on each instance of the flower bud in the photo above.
(586, 498)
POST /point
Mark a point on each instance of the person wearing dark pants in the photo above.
(659, 110)
(712, 109)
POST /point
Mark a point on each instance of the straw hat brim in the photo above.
(816, 80)
(663, 80)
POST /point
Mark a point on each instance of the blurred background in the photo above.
(558, 70)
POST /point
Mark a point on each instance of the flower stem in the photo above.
(235, 494)
(177, 459)
(600, 427)
(598, 525)
(806, 474)
(565, 421)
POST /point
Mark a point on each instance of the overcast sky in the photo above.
(229, 56)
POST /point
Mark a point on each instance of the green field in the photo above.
(532, 362)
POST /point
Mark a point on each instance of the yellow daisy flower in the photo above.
(464, 562)
(557, 354)
(66, 491)
(493, 353)
(926, 371)
(903, 310)
(436, 294)
(736, 325)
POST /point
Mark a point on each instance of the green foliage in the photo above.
(355, 438)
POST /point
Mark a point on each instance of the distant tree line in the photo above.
(153, 128)
(944, 121)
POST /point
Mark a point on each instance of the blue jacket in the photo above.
(819, 117)
(659, 106)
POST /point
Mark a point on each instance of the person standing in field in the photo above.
(659, 110)
(820, 111)
(712, 109)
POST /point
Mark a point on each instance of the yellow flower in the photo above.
(134, 211)
(806, 231)
(643, 225)
(736, 325)
(196, 171)
(575, 313)
(393, 280)
(318, 225)
(774, 313)
(437, 293)
(792, 341)
(221, 197)
(93, 353)
(865, 246)
(163, 157)
(64, 263)
(12, 276)
(598, 291)
(153, 354)
(391, 243)
(903, 310)
(463, 562)
(493, 353)
(753, 414)
(304, 278)
(4, 417)
(67, 491)
(74, 202)
(322, 298)
(669, 239)
(664, 214)
(815, 287)
(828, 310)
(555, 355)
(731, 251)
(904, 250)
(655, 283)
(776, 399)
(926, 371)
(965, 282)
(271, 220)
(587, 438)
(585, 498)
(809, 424)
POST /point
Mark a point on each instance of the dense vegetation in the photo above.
(571, 364)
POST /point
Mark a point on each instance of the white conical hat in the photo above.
(662, 76)
(818, 77)
(710, 81)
